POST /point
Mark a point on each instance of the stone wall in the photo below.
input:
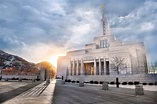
(142, 78)
(19, 76)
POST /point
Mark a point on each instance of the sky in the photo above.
(40, 30)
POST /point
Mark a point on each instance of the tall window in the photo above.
(104, 43)
(104, 28)
(101, 44)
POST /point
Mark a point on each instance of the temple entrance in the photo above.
(89, 68)
(107, 68)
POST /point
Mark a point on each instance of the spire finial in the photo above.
(103, 8)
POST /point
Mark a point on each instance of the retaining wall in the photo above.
(142, 78)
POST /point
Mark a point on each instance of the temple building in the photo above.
(104, 59)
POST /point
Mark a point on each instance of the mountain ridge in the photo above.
(9, 60)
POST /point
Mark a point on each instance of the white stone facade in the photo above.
(104, 57)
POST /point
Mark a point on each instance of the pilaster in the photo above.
(99, 66)
(95, 69)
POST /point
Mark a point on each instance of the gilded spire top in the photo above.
(103, 8)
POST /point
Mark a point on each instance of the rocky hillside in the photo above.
(8, 60)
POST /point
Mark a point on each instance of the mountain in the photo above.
(12, 64)
(11, 61)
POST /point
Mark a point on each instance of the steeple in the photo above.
(105, 27)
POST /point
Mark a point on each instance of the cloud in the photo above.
(147, 26)
(39, 29)
(139, 25)
(38, 52)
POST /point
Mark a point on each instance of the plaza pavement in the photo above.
(40, 94)
(10, 89)
(71, 93)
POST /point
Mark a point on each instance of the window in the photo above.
(101, 44)
(104, 28)
(104, 43)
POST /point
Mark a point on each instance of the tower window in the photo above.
(101, 44)
(104, 28)
(104, 43)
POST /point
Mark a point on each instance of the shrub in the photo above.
(144, 83)
(112, 83)
(95, 82)
(130, 83)
(13, 78)
(124, 83)
(24, 79)
(119, 83)
(77, 81)
(101, 82)
(91, 82)
(151, 83)
(66, 80)
(69, 80)
(136, 83)
(73, 81)
(16, 78)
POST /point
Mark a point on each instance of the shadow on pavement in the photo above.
(11, 94)
(70, 93)
(56, 92)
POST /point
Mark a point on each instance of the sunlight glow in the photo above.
(53, 59)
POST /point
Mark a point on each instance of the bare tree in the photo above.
(117, 61)
(153, 67)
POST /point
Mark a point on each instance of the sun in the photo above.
(53, 59)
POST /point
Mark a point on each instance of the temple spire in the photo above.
(103, 9)
(105, 27)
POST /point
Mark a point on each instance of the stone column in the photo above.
(95, 67)
(104, 66)
(82, 67)
(99, 66)
(73, 68)
(70, 68)
(77, 68)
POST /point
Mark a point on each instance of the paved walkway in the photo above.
(71, 93)
(8, 86)
(41, 94)
(9, 90)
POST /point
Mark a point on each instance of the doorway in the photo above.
(89, 68)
